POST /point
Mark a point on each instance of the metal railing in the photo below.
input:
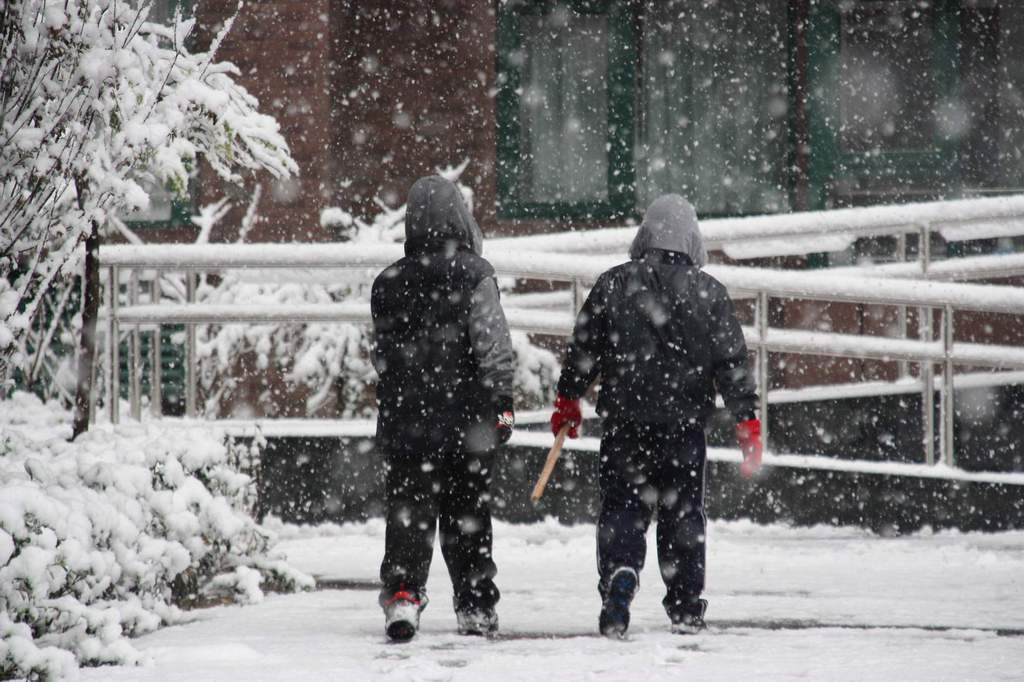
(133, 267)
(816, 231)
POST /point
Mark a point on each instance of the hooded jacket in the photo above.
(661, 333)
(442, 351)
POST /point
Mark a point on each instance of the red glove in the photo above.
(748, 434)
(566, 412)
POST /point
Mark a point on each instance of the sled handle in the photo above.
(549, 465)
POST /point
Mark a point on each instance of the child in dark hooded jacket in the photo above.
(445, 361)
(662, 335)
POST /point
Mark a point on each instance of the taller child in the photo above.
(445, 361)
(662, 335)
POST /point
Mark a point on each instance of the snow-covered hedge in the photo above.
(107, 537)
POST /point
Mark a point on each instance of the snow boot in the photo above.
(402, 615)
(614, 620)
(478, 622)
(690, 621)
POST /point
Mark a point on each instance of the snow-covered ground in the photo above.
(819, 604)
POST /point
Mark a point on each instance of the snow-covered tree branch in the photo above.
(98, 104)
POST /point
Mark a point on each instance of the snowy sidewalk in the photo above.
(818, 604)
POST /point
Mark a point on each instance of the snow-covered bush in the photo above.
(99, 106)
(327, 364)
(107, 537)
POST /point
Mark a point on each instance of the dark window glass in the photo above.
(563, 108)
(992, 63)
(715, 105)
(887, 93)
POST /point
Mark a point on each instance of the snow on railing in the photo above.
(823, 285)
(995, 266)
(561, 323)
(815, 231)
(126, 263)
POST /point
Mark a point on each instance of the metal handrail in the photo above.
(810, 285)
(763, 284)
(802, 230)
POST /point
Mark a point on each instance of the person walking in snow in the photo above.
(662, 335)
(445, 361)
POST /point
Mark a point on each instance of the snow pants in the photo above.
(649, 468)
(448, 492)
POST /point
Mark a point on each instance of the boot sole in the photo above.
(401, 631)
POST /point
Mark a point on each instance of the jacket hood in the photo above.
(670, 224)
(436, 216)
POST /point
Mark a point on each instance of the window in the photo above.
(605, 105)
(888, 88)
(566, 76)
(755, 106)
(713, 125)
(563, 108)
(992, 73)
(165, 210)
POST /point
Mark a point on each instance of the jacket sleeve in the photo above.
(491, 341)
(379, 323)
(588, 344)
(729, 359)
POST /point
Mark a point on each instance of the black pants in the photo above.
(648, 468)
(450, 492)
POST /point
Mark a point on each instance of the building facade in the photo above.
(576, 113)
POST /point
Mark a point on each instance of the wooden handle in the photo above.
(549, 465)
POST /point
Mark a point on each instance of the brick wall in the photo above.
(413, 90)
(281, 48)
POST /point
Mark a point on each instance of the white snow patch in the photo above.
(816, 603)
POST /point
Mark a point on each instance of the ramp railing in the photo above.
(135, 273)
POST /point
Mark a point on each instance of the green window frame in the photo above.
(831, 165)
(179, 215)
(623, 55)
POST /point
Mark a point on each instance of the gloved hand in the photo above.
(566, 412)
(748, 433)
(506, 419)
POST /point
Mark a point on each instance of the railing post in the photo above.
(93, 388)
(190, 349)
(135, 359)
(578, 297)
(115, 360)
(927, 389)
(924, 248)
(947, 408)
(901, 248)
(762, 363)
(156, 354)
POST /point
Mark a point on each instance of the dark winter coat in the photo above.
(661, 333)
(443, 351)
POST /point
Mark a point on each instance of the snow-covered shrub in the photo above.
(107, 537)
(327, 365)
(99, 106)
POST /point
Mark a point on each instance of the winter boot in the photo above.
(478, 622)
(402, 615)
(622, 586)
(691, 620)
